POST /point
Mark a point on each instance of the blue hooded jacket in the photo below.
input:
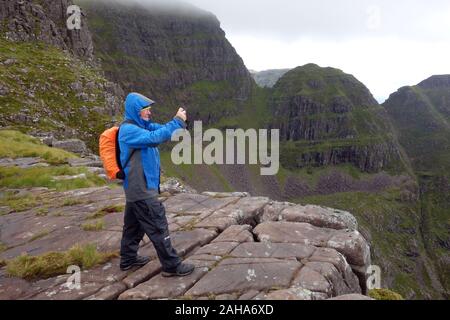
(146, 136)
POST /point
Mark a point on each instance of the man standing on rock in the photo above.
(139, 138)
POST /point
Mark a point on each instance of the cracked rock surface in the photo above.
(242, 247)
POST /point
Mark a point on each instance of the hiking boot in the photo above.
(182, 270)
(139, 262)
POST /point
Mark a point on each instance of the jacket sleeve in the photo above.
(152, 126)
(139, 138)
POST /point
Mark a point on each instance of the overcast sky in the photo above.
(386, 44)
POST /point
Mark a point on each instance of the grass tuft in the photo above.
(42, 212)
(71, 202)
(56, 263)
(105, 211)
(19, 203)
(96, 226)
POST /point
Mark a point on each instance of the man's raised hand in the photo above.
(182, 114)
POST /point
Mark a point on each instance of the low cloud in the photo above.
(386, 44)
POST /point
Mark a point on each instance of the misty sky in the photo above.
(386, 44)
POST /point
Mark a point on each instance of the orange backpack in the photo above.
(110, 153)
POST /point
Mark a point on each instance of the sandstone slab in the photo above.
(290, 294)
(217, 221)
(183, 241)
(338, 260)
(218, 248)
(246, 210)
(346, 297)
(181, 203)
(237, 275)
(272, 212)
(225, 194)
(110, 292)
(160, 287)
(353, 246)
(13, 288)
(142, 274)
(211, 205)
(292, 232)
(273, 250)
(91, 282)
(237, 233)
(313, 281)
(320, 217)
(333, 276)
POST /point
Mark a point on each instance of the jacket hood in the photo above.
(134, 103)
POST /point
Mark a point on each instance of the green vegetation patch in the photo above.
(55, 263)
(384, 294)
(19, 203)
(96, 226)
(14, 144)
(41, 89)
(14, 177)
(71, 202)
(42, 211)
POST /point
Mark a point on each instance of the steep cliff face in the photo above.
(49, 84)
(176, 55)
(328, 118)
(421, 115)
(44, 20)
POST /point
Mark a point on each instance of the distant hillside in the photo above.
(421, 115)
(422, 118)
(268, 78)
(328, 117)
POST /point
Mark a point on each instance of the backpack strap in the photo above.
(118, 150)
(129, 159)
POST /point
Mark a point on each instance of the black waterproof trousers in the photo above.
(147, 217)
